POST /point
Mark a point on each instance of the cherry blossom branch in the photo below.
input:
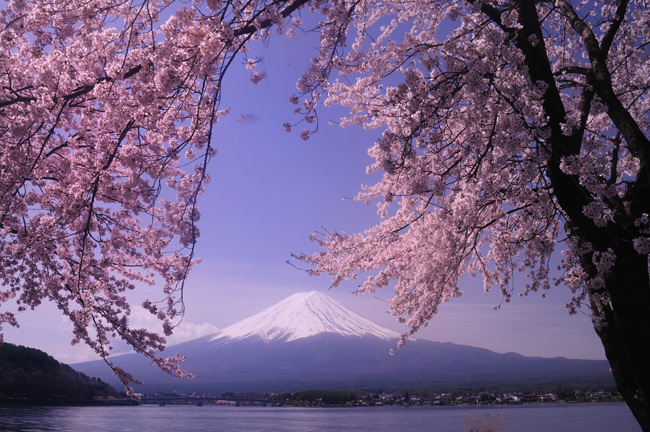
(638, 142)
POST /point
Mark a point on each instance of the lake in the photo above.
(604, 417)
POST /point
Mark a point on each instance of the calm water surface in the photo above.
(538, 418)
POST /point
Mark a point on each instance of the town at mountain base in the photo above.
(311, 341)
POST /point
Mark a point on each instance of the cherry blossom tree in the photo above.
(100, 170)
(107, 109)
(512, 131)
(106, 119)
(518, 132)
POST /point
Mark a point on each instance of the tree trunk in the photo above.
(625, 331)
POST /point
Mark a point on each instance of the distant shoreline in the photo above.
(132, 402)
(67, 402)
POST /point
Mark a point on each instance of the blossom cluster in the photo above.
(105, 137)
(480, 149)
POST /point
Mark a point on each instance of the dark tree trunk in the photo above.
(625, 331)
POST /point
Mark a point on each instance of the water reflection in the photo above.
(188, 418)
(485, 422)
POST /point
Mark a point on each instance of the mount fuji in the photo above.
(311, 341)
(301, 316)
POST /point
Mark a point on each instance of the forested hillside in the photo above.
(29, 374)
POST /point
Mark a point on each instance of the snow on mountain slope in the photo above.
(302, 315)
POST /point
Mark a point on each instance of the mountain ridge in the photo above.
(298, 344)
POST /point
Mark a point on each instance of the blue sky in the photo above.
(269, 191)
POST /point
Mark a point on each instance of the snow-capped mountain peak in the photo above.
(302, 315)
